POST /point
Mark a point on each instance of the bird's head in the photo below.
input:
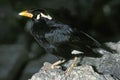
(36, 14)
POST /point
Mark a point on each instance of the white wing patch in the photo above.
(76, 52)
(46, 16)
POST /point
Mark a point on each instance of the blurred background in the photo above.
(21, 57)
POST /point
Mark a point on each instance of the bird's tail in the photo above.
(104, 49)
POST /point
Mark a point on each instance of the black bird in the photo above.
(60, 39)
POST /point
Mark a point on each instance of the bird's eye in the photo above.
(38, 17)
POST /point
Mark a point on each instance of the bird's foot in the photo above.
(55, 65)
(67, 72)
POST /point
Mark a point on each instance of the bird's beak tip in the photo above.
(20, 14)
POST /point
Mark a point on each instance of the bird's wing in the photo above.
(82, 42)
(84, 39)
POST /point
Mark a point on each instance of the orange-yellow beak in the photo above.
(26, 14)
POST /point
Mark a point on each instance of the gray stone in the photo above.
(83, 72)
(114, 46)
(12, 58)
(35, 65)
(109, 63)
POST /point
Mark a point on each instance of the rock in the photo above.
(83, 72)
(114, 46)
(33, 66)
(108, 64)
(12, 57)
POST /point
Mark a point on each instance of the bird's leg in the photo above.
(80, 60)
(72, 65)
(54, 65)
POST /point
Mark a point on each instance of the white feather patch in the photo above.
(46, 16)
(38, 17)
(76, 52)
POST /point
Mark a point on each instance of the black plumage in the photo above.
(61, 39)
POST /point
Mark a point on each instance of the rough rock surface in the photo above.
(83, 72)
(109, 63)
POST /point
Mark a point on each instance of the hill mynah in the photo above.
(60, 39)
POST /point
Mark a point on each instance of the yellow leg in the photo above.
(54, 65)
(72, 65)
